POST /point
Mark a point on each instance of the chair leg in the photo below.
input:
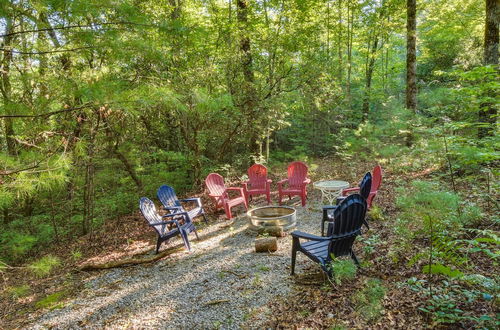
(279, 198)
(185, 239)
(228, 212)
(196, 234)
(366, 224)
(294, 254)
(322, 227)
(353, 256)
(268, 198)
(303, 198)
(158, 243)
(205, 218)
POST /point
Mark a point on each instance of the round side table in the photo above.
(330, 189)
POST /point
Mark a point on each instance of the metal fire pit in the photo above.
(272, 216)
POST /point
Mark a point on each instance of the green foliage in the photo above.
(342, 270)
(44, 266)
(441, 269)
(375, 214)
(52, 301)
(19, 291)
(16, 244)
(369, 299)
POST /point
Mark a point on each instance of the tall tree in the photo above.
(488, 112)
(6, 86)
(411, 54)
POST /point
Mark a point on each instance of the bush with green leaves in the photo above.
(19, 291)
(44, 266)
(342, 270)
(368, 300)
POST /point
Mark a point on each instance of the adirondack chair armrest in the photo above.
(347, 191)
(301, 234)
(169, 208)
(281, 182)
(245, 185)
(184, 214)
(307, 181)
(196, 200)
(169, 222)
(269, 181)
(327, 208)
(236, 189)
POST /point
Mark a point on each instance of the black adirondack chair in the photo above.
(180, 224)
(349, 216)
(364, 191)
(170, 202)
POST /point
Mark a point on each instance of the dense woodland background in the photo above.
(102, 101)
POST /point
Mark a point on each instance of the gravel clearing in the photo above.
(222, 283)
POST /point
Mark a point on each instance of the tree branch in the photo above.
(48, 114)
(46, 52)
(74, 26)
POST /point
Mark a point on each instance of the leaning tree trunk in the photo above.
(411, 55)
(488, 112)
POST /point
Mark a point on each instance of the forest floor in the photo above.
(222, 283)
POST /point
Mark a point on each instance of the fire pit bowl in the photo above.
(272, 216)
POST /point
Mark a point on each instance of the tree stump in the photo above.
(268, 244)
(272, 231)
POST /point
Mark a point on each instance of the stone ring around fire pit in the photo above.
(272, 216)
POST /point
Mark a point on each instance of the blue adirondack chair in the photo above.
(349, 216)
(180, 224)
(364, 191)
(170, 202)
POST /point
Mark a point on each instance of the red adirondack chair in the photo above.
(258, 183)
(219, 192)
(376, 181)
(297, 181)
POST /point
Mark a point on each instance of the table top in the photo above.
(331, 184)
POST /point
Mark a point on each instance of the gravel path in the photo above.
(221, 284)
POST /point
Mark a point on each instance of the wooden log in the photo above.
(275, 231)
(130, 261)
(268, 244)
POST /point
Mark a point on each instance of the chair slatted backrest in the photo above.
(297, 173)
(365, 185)
(257, 176)
(167, 196)
(215, 185)
(148, 210)
(349, 217)
(377, 178)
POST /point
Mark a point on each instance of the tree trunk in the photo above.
(350, 18)
(411, 55)
(248, 90)
(341, 72)
(7, 88)
(488, 112)
(128, 167)
(369, 75)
